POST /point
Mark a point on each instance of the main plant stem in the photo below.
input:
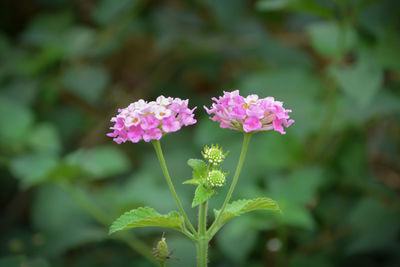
(202, 241)
(157, 147)
(246, 140)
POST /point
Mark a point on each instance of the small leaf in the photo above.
(360, 82)
(239, 207)
(44, 138)
(272, 5)
(99, 162)
(106, 11)
(33, 169)
(192, 181)
(13, 129)
(142, 217)
(199, 168)
(329, 39)
(86, 81)
(201, 195)
(303, 6)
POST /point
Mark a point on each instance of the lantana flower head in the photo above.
(151, 120)
(249, 114)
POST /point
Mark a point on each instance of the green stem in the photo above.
(246, 140)
(202, 241)
(157, 147)
(87, 204)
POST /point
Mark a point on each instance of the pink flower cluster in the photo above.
(249, 114)
(150, 120)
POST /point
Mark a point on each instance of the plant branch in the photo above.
(246, 140)
(157, 147)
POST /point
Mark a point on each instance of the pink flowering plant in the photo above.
(150, 121)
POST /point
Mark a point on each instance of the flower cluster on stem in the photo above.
(249, 114)
(151, 120)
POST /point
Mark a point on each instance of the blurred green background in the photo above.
(67, 66)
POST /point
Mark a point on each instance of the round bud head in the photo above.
(214, 155)
(216, 178)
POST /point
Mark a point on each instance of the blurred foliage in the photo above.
(66, 66)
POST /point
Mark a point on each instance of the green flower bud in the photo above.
(161, 251)
(216, 178)
(214, 154)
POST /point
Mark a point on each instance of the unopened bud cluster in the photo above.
(216, 178)
(214, 155)
(161, 251)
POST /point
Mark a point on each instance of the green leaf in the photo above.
(201, 195)
(87, 82)
(33, 169)
(100, 162)
(272, 5)
(81, 41)
(14, 129)
(108, 10)
(44, 138)
(329, 39)
(305, 6)
(142, 217)
(14, 260)
(192, 181)
(239, 207)
(387, 50)
(360, 82)
(199, 168)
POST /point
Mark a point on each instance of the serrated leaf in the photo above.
(239, 207)
(192, 181)
(199, 168)
(202, 194)
(142, 217)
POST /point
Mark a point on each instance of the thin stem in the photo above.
(87, 204)
(202, 241)
(157, 147)
(188, 234)
(246, 140)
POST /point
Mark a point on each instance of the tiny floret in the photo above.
(148, 121)
(214, 155)
(216, 178)
(249, 114)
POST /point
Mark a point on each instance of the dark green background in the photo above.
(67, 66)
